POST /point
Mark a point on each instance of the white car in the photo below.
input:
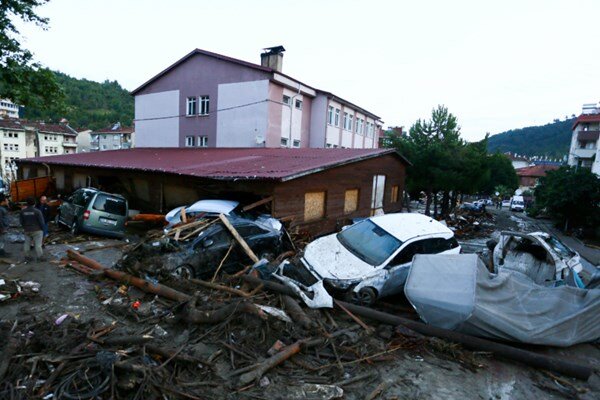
(506, 203)
(210, 207)
(371, 258)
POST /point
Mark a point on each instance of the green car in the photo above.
(93, 211)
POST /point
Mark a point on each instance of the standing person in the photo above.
(3, 223)
(45, 210)
(32, 222)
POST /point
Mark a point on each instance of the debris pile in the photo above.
(466, 223)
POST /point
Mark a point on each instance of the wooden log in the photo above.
(212, 317)
(123, 277)
(239, 238)
(500, 350)
(269, 363)
(222, 288)
(258, 203)
(296, 312)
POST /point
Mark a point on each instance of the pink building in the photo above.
(211, 100)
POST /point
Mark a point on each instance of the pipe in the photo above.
(498, 349)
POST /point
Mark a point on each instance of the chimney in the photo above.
(272, 57)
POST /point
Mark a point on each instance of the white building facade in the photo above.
(585, 144)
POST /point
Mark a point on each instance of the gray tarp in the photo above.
(457, 292)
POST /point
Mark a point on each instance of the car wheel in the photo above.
(184, 272)
(366, 296)
(75, 228)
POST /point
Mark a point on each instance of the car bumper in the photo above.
(102, 232)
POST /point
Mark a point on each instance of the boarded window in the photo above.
(351, 201)
(314, 206)
(395, 194)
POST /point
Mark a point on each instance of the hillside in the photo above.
(89, 104)
(546, 140)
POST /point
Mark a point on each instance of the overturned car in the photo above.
(366, 260)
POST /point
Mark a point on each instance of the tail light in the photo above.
(86, 214)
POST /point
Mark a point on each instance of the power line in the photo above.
(216, 111)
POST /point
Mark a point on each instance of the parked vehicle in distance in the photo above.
(93, 211)
(202, 256)
(369, 259)
(471, 207)
(517, 203)
(506, 203)
(208, 207)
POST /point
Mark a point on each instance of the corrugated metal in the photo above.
(219, 163)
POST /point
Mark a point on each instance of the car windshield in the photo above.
(110, 205)
(369, 242)
(560, 247)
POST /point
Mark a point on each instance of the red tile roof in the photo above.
(586, 118)
(220, 163)
(121, 129)
(536, 170)
(12, 123)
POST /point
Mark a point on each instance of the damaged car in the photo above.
(369, 259)
(204, 207)
(542, 257)
(215, 246)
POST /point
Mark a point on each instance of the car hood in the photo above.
(331, 260)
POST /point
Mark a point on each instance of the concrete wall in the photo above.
(318, 121)
(162, 132)
(239, 125)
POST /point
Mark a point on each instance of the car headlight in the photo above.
(341, 284)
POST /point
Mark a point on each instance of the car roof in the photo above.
(406, 226)
(213, 206)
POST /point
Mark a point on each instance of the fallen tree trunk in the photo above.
(498, 349)
(123, 277)
(269, 363)
(296, 312)
(212, 317)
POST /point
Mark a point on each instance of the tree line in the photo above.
(445, 167)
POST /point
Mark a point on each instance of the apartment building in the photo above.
(23, 139)
(8, 109)
(585, 146)
(211, 100)
(113, 137)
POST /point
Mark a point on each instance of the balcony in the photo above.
(588, 136)
(584, 153)
(69, 144)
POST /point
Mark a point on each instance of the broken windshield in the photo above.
(369, 242)
(559, 247)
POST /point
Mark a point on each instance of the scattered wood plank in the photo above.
(239, 238)
(222, 288)
(258, 203)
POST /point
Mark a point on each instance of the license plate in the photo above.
(108, 221)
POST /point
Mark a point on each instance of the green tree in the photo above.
(501, 173)
(22, 80)
(571, 196)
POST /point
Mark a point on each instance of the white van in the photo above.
(517, 203)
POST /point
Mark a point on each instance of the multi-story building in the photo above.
(23, 139)
(114, 137)
(8, 109)
(585, 146)
(211, 100)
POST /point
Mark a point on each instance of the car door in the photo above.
(261, 242)
(212, 249)
(397, 268)
(67, 208)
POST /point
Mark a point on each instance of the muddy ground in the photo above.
(406, 368)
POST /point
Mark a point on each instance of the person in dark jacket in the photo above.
(45, 210)
(32, 222)
(3, 224)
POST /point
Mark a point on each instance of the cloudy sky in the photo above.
(497, 65)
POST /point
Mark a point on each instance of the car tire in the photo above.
(366, 296)
(75, 228)
(184, 271)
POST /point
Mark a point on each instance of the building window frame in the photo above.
(315, 205)
(298, 104)
(204, 102)
(202, 141)
(284, 142)
(337, 117)
(189, 141)
(286, 100)
(296, 143)
(190, 107)
(330, 115)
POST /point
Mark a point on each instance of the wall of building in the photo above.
(318, 121)
(239, 124)
(164, 130)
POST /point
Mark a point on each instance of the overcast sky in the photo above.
(497, 65)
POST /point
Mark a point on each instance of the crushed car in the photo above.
(457, 292)
(543, 258)
(202, 256)
(367, 260)
(202, 207)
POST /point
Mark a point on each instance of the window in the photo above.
(346, 121)
(286, 99)
(202, 141)
(360, 126)
(103, 147)
(296, 143)
(284, 142)
(351, 201)
(191, 106)
(111, 205)
(395, 193)
(189, 141)
(314, 206)
(329, 145)
(299, 104)
(337, 117)
(204, 103)
(330, 115)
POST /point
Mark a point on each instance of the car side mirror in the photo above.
(208, 243)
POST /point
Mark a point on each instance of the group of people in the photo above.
(34, 218)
